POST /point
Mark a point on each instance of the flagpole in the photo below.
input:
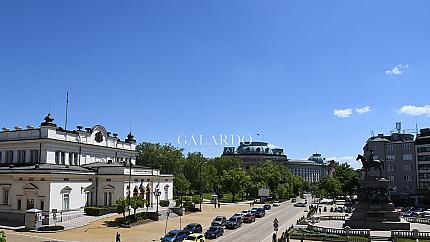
(67, 109)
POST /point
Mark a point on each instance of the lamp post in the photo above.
(157, 195)
(200, 181)
(129, 193)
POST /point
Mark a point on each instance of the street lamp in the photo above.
(157, 195)
(200, 181)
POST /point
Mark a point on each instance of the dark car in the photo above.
(193, 228)
(267, 207)
(262, 211)
(249, 218)
(214, 232)
(299, 205)
(174, 236)
(219, 221)
(234, 223)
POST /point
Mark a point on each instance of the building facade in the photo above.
(397, 151)
(422, 146)
(312, 170)
(62, 171)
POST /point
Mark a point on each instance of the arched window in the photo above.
(135, 192)
(166, 192)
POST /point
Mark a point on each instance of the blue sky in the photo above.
(278, 68)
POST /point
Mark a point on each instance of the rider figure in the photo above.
(370, 156)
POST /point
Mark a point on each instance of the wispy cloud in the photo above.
(342, 159)
(342, 113)
(415, 110)
(362, 110)
(397, 70)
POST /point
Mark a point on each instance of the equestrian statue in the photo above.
(370, 162)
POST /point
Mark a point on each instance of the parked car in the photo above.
(245, 212)
(249, 218)
(233, 222)
(293, 200)
(214, 232)
(275, 203)
(267, 207)
(303, 196)
(196, 237)
(299, 205)
(219, 221)
(408, 214)
(174, 236)
(260, 213)
(240, 215)
(193, 228)
(348, 209)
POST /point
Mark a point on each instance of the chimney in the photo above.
(5, 129)
(79, 127)
(18, 128)
(30, 127)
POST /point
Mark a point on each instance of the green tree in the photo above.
(165, 157)
(180, 185)
(233, 181)
(331, 186)
(121, 205)
(193, 170)
(347, 177)
(135, 203)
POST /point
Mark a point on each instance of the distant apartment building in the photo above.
(397, 151)
(422, 145)
(312, 170)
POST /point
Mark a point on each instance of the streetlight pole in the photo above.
(200, 187)
(129, 193)
(157, 195)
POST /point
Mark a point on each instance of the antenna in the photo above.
(49, 110)
(129, 128)
(67, 109)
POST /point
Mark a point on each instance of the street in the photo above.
(262, 229)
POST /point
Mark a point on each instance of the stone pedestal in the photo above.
(374, 209)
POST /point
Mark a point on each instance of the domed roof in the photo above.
(258, 148)
(317, 158)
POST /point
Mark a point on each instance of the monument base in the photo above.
(374, 225)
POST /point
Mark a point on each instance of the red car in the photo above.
(249, 218)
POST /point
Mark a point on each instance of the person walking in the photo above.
(320, 210)
(117, 237)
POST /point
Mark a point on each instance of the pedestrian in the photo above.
(274, 237)
(118, 237)
(219, 204)
(250, 204)
(320, 210)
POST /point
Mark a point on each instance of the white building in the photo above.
(53, 169)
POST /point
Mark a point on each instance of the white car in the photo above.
(275, 204)
(245, 212)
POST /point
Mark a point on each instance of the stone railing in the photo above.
(345, 232)
(414, 234)
(417, 220)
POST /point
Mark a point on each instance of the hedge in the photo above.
(164, 203)
(95, 211)
(51, 228)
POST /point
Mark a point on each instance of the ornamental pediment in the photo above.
(30, 186)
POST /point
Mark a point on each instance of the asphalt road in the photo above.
(12, 236)
(262, 228)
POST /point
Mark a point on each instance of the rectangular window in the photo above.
(407, 146)
(42, 205)
(423, 149)
(66, 201)
(424, 158)
(34, 156)
(407, 167)
(30, 203)
(409, 178)
(407, 156)
(21, 156)
(110, 199)
(391, 178)
(390, 147)
(75, 159)
(5, 196)
(391, 168)
(57, 157)
(391, 157)
(19, 205)
(63, 158)
(105, 199)
(1, 153)
(66, 179)
(9, 156)
(71, 159)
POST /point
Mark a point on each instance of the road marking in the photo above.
(280, 228)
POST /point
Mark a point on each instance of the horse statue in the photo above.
(368, 163)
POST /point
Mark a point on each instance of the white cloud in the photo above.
(363, 110)
(415, 110)
(342, 113)
(397, 70)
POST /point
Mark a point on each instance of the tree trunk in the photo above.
(232, 197)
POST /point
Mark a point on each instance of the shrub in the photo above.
(2, 237)
(188, 205)
(95, 211)
(50, 228)
(164, 203)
